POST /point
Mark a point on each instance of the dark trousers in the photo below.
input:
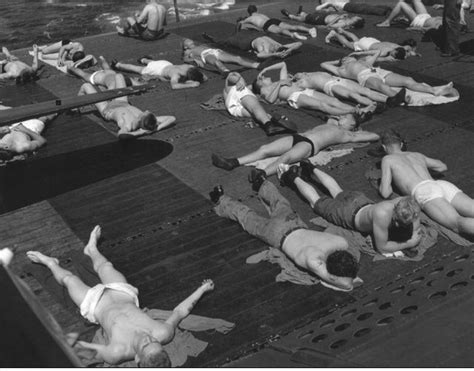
(451, 27)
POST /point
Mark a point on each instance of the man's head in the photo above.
(6, 155)
(193, 74)
(346, 59)
(346, 122)
(356, 22)
(188, 44)
(409, 42)
(150, 353)
(399, 53)
(147, 121)
(342, 263)
(77, 56)
(261, 82)
(405, 213)
(26, 75)
(233, 78)
(251, 9)
(391, 141)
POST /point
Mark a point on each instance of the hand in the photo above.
(60, 63)
(18, 128)
(4, 130)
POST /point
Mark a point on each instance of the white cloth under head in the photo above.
(419, 20)
(364, 44)
(95, 293)
(377, 72)
(207, 52)
(428, 190)
(155, 68)
(233, 101)
(34, 125)
(293, 98)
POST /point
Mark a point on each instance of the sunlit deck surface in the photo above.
(150, 197)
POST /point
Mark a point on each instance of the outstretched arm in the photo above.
(175, 85)
(331, 66)
(386, 181)
(34, 65)
(325, 6)
(278, 66)
(318, 267)
(360, 136)
(164, 122)
(436, 165)
(185, 307)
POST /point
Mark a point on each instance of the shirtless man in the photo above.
(297, 97)
(241, 102)
(410, 173)
(132, 121)
(297, 147)
(263, 46)
(180, 76)
(261, 22)
(113, 304)
(13, 68)
(147, 25)
(62, 51)
(353, 7)
(394, 225)
(203, 54)
(22, 137)
(330, 20)
(388, 51)
(418, 16)
(322, 254)
(359, 66)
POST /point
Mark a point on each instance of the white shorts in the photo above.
(364, 44)
(232, 101)
(419, 20)
(428, 190)
(34, 125)
(335, 81)
(155, 68)
(293, 98)
(91, 79)
(214, 52)
(377, 72)
(95, 293)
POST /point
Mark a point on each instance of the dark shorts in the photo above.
(147, 34)
(2, 67)
(342, 209)
(299, 138)
(271, 22)
(318, 19)
(241, 40)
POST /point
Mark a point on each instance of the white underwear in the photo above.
(293, 98)
(336, 81)
(377, 72)
(155, 68)
(34, 125)
(95, 293)
(232, 101)
(419, 20)
(91, 79)
(364, 43)
(428, 190)
(214, 52)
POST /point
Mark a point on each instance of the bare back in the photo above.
(155, 16)
(266, 44)
(124, 114)
(15, 141)
(257, 19)
(313, 80)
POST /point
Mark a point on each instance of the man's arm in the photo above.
(143, 15)
(164, 122)
(383, 245)
(277, 66)
(436, 165)
(325, 6)
(318, 267)
(359, 136)
(385, 188)
(109, 354)
(371, 56)
(185, 307)
(36, 142)
(62, 53)
(175, 85)
(331, 66)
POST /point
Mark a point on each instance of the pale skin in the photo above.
(61, 52)
(256, 21)
(374, 219)
(411, 12)
(357, 62)
(331, 20)
(265, 47)
(128, 328)
(192, 54)
(408, 169)
(171, 73)
(13, 67)
(322, 136)
(124, 114)
(153, 16)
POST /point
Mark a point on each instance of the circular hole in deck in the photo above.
(410, 293)
(327, 323)
(397, 289)
(342, 327)
(385, 321)
(436, 270)
(454, 272)
(438, 295)
(371, 302)
(306, 334)
(458, 285)
(461, 258)
(348, 312)
(319, 338)
(431, 283)
(385, 305)
(364, 316)
(338, 344)
(408, 310)
(416, 280)
(362, 332)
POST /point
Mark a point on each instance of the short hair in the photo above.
(195, 75)
(400, 233)
(342, 263)
(359, 23)
(256, 87)
(405, 212)
(6, 155)
(148, 121)
(77, 56)
(251, 9)
(25, 76)
(391, 137)
(156, 359)
(409, 42)
(400, 53)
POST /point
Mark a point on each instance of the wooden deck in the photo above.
(150, 197)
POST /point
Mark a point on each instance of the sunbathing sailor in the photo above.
(147, 25)
(418, 16)
(323, 18)
(13, 68)
(62, 51)
(113, 304)
(353, 7)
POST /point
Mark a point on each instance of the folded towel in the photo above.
(215, 103)
(417, 99)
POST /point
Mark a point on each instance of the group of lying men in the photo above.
(393, 224)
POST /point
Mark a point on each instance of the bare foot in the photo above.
(443, 89)
(330, 35)
(37, 257)
(383, 24)
(281, 169)
(120, 30)
(370, 108)
(207, 285)
(93, 240)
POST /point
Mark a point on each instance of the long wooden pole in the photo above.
(176, 11)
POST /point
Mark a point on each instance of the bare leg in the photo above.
(341, 38)
(379, 85)
(463, 204)
(129, 67)
(76, 288)
(79, 73)
(366, 92)
(328, 182)
(102, 266)
(104, 64)
(325, 104)
(395, 79)
(307, 191)
(275, 148)
(419, 7)
(252, 105)
(444, 213)
(53, 48)
(298, 152)
(229, 58)
(300, 17)
(343, 92)
(397, 9)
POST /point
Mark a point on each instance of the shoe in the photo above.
(140, 60)
(398, 99)
(113, 64)
(256, 178)
(224, 163)
(288, 177)
(290, 126)
(306, 169)
(216, 193)
(300, 9)
(271, 129)
(285, 12)
(361, 117)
